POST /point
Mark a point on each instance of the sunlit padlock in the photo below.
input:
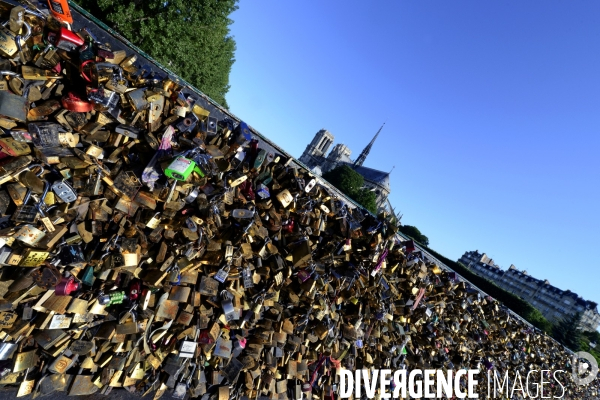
(103, 97)
(75, 102)
(10, 41)
(60, 10)
(181, 168)
(29, 235)
(65, 39)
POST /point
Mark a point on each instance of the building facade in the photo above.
(317, 159)
(554, 303)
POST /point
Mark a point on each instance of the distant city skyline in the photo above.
(491, 113)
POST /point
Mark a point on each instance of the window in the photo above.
(567, 302)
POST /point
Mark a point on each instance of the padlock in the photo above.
(51, 135)
(112, 298)
(13, 106)
(181, 168)
(10, 41)
(74, 102)
(107, 99)
(46, 277)
(174, 276)
(7, 349)
(60, 10)
(26, 213)
(65, 39)
(64, 191)
(222, 274)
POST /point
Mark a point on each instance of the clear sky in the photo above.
(492, 112)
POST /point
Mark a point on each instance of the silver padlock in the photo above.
(227, 304)
(64, 191)
(188, 349)
(104, 97)
(247, 277)
(222, 274)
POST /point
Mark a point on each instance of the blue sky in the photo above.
(491, 108)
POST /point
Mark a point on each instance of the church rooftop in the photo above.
(381, 178)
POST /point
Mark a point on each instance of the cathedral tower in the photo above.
(317, 148)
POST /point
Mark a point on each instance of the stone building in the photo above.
(554, 303)
(315, 157)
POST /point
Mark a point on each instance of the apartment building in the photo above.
(554, 303)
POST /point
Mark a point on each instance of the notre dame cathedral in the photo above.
(315, 157)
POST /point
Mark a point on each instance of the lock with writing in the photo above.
(10, 41)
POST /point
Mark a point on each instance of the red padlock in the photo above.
(246, 190)
(65, 39)
(288, 226)
(73, 102)
(66, 286)
(135, 287)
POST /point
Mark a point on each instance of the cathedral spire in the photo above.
(363, 155)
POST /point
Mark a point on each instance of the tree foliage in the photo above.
(567, 332)
(367, 199)
(414, 233)
(190, 37)
(351, 183)
(586, 339)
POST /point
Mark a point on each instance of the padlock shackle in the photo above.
(27, 31)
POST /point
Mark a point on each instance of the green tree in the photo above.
(351, 183)
(537, 319)
(190, 37)
(414, 233)
(567, 332)
(367, 199)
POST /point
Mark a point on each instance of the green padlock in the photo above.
(181, 168)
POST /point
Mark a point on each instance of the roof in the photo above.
(380, 178)
(346, 159)
(591, 305)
